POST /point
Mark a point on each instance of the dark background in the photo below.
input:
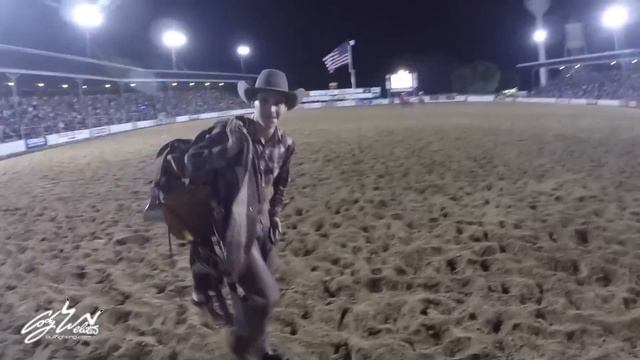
(431, 36)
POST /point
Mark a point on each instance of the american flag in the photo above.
(338, 57)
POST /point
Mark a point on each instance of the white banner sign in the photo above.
(120, 128)
(12, 147)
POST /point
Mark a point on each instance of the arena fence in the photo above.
(38, 143)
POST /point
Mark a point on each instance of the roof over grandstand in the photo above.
(19, 60)
(588, 59)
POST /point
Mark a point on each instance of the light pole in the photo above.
(243, 51)
(88, 17)
(538, 8)
(615, 17)
(174, 39)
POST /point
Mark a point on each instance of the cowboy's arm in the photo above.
(280, 183)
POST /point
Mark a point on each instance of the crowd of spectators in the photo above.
(593, 83)
(29, 117)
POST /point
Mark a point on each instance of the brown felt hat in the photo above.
(271, 80)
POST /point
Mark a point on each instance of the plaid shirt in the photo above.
(274, 159)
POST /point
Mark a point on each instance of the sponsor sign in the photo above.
(99, 131)
(35, 143)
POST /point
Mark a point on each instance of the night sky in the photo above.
(432, 36)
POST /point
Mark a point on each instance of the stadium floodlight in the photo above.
(243, 51)
(64, 86)
(577, 66)
(174, 39)
(221, 84)
(87, 16)
(107, 85)
(613, 63)
(562, 67)
(615, 17)
(11, 83)
(84, 86)
(207, 84)
(540, 35)
(174, 84)
(132, 84)
(40, 85)
(192, 84)
(634, 61)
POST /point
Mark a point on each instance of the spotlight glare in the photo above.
(615, 17)
(87, 15)
(244, 50)
(40, 84)
(540, 35)
(174, 39)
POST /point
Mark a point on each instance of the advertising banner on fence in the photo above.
(610, 103)
(145, 123)
(68, 136)
(99, 131)
(481, 98)
(12, 147)
(120, 128)
(35, 143)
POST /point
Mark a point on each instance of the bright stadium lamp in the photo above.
(540, 35)
(84, 86)
(40, 85)
(107, 85)
(174, 39)
(221, 84)
(207, 84)
(615, 18)
(634, 61)
(174, 84)
(243, 51)
(132, 84)
(11, 83)
(64, 86)
(192, 84)
(88, 17)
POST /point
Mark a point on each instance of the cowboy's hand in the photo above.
(276, 224)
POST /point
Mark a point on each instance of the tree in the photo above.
(480, 77)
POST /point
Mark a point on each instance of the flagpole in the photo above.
(352, 69)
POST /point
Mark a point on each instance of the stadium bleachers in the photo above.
(593, 83)
(36, 116)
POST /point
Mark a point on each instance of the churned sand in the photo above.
(489, 231)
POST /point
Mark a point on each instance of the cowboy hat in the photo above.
(271, 80)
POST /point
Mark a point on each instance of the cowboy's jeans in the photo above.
(260, 294)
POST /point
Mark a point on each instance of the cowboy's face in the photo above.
(269, 107)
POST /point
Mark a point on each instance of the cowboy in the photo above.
(252, 223)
